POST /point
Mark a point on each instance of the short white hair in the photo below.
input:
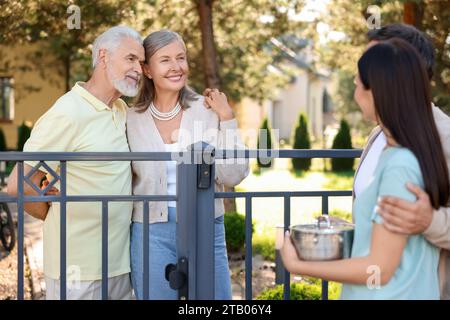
(110, 40)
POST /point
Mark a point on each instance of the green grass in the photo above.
(339, 180)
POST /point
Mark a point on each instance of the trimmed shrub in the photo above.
(266, 133)
(235, 231)
(264, 246)
(302, 291)
(301, 141)
(2, 140)
(24, 133)
(342, 140)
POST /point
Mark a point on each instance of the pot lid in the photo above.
(325, 226)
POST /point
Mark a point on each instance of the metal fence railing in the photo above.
(195, 207)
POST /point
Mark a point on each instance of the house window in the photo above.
(6, 99)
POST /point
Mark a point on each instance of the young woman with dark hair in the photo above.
(392, 88)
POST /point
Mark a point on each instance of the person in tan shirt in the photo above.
(399, 215)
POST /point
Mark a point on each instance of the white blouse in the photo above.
(197, 124)
(171, 173)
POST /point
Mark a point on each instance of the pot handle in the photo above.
(323, 222)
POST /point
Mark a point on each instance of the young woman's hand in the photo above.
(289, 255)
(218, 102)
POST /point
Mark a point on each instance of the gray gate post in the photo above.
(195, 217)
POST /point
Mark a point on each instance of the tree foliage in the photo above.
(348, 18)
(67, 50)
(241, 37)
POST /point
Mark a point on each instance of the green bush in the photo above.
(302, 291)
(235, 231)
(264, 246)
(301, 141)
(24, 133)
(2, 140)
(299, 291)
(265, 131)
(342, 140)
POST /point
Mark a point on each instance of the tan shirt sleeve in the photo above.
(438, 233)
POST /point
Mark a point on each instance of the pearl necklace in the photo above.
(165, 116)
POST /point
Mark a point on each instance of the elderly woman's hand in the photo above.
(218, 102)
(53, 191)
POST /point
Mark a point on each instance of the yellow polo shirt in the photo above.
(79, 122)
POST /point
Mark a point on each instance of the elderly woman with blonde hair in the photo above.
(168, 116)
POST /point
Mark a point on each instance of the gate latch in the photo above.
(177, 275)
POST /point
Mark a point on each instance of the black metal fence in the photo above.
(195, 207)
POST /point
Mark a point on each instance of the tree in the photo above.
(343, 140)
(211, 73)
(227, 50)
(264, 142)
(302, 141)
(413, 13)
(342, 55)
(436, 23)
(65, 49)
(235, 31)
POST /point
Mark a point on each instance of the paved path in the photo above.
(33, 251)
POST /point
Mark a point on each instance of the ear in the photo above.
(146, 70)
(102, 57)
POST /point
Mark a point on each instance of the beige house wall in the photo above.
(303, 95)
(29, 105)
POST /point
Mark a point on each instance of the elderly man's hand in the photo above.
(405, 217)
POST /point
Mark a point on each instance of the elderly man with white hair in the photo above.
(89, 118)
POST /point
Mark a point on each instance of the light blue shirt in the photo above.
(417, 275)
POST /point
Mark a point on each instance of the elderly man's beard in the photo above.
(122, 85)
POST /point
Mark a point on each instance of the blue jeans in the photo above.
(162, 237)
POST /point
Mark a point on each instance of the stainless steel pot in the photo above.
(324, 240)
